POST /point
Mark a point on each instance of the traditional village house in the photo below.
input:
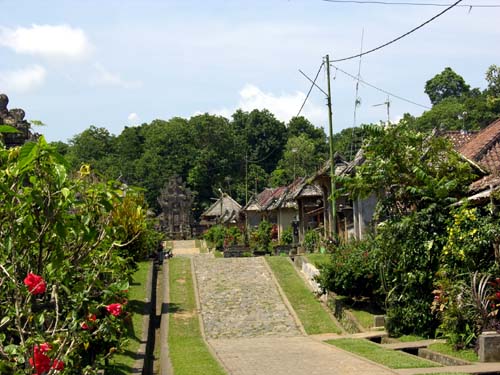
(354, 215)
(224, 211)
(309, 200)
(298, 202)
(258, 207)
(481, 148)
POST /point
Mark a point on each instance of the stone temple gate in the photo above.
(176, 202)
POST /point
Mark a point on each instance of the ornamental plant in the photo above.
(62, 264)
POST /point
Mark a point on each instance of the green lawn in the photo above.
(410, 338)
(364, 318)
(122, 363)
(465, 354)
(317, 259)
(188, 352)
(309, 310)
(386, 357)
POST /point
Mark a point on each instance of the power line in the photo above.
(310, 89)
(313, 82)
(399, 37)
(373, 2)
(379, 89)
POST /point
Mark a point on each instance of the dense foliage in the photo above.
(352, 271)
(240, 156)
(416, 180)
(66, 253)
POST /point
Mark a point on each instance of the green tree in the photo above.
(301, 126)
(493, 80)
(168, 151)
(417, 178)
(93, 146)
(444, 85)
(263, 135)
(299, 160)
(219, 158)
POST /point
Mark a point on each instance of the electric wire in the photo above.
(379, 89)
(374, 2)
(314, 83)
(401, 36)
(310, 89)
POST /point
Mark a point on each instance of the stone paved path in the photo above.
(289, 356)
(239, 299)
(251, 331)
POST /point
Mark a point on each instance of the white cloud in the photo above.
(133, 118)
(22, 80)
(284, 106)
(103, 77)
(53, 41)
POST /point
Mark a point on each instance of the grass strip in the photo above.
(318, 259)
(309, 310)
(364, 318)
(410, 338)
(188, 352)
(123, 363)
(447, 349)
(386, 357)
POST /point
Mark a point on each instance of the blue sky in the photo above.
(72, 64)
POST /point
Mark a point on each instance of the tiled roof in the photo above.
(458, 137)
(484, 148)
(283, 196)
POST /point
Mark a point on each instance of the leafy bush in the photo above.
(464, 302)
(262, 236)
(219, 237)
(351, 270)
(287, 236)
(311, 241)
(64, 266)
(215, 237)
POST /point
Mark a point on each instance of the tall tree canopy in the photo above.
(444, 85)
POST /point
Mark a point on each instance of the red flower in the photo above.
(40, 361)
(45, 347)
(498, 295)
(58, 365)
(36, 284)
(84, 326)
(91, 318)
(114, 309)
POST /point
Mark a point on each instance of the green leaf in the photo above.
(8, 129)
(27, 154)
(65, 192)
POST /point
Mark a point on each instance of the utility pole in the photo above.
(333, 224)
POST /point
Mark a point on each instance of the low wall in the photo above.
(309, 271)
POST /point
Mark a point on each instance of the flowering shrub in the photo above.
(35, 284)
(351, 271)
(464, 302)
(62, 264)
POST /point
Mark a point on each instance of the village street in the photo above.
(251, 327)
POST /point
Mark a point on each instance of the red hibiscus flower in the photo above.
(114, 309)
(36, 284)
(58, 365)
(40, 361)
